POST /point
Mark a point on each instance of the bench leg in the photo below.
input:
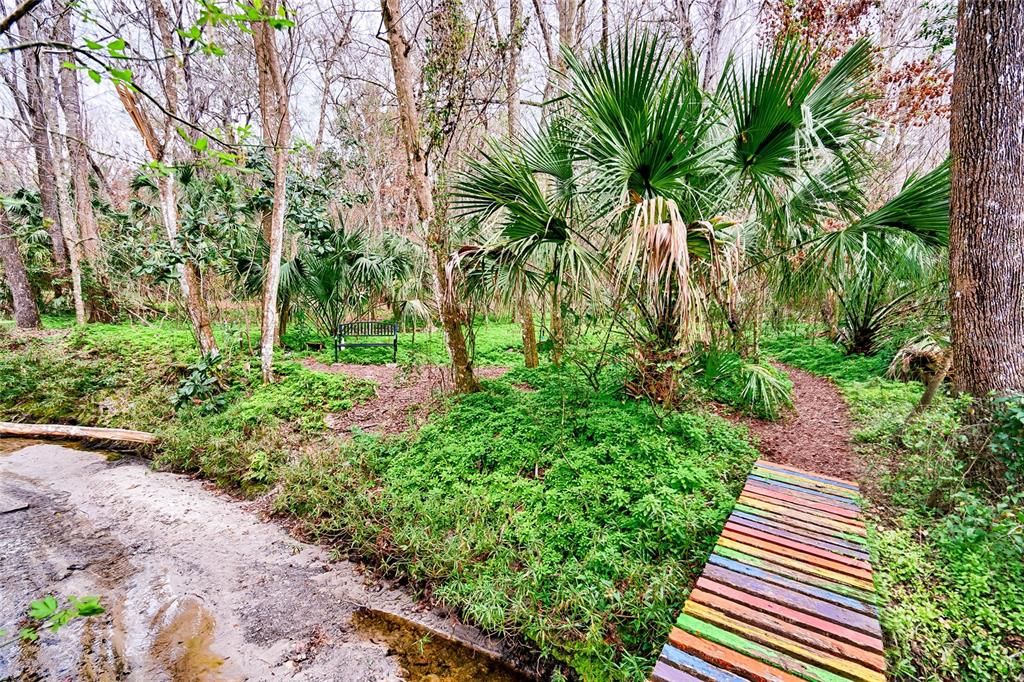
(394, 353)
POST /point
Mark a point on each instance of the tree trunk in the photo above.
(45, 171)
(71, 103)
(437, 236)
(685, 25)
(715, 25)
(986, 252)
(530, 356)
(26, 313)
(273, 96)
(557, 325)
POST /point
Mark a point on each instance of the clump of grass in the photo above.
(574, 519)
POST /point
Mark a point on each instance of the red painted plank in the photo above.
(799, 546)
(801, 501)
(805, 482)
(707, 586)
(792, 555)
(806, 537)
(794, 600)
(825, 514)
(806, 473)
(723, 657)
(818, 519)
(790, 522)
(800, 564)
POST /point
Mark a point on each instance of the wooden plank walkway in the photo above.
(787, 595)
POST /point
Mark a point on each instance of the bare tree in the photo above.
(419, 171)
(273, 96)
(26, 313)
(715, 25)
(986, 254)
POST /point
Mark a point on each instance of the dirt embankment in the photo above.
(196, 587)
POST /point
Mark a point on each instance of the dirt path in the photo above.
(817, 437)
(196, 587)
(403, 395)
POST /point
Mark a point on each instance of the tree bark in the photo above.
(986, 252)
(45, 171)
(437, 221)
(273, 97)
(26, 313)
(715, 24)
(71, 104)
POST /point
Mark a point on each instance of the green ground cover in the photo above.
(568, 517)
(948, 558)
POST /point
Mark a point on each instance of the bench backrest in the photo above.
(367, 329)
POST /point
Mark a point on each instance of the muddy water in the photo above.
(196, 587)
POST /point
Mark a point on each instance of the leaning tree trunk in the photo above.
(437, 237)
(986, 253)
(26, 313)
(273, 96)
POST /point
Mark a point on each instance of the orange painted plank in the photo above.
(797, 555)
(801, 566)
(806, 473)
(781, 494)
(824, 513)
(728, 659)
(807, 483)
(799, 546)
(784, 644)
(780, 519)
(803, 516)
(839, 633)
(838, 502)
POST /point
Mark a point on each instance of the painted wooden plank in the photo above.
(806, 517)
(807, 474)
(810, 496)
(824, 593)
(761, 517)
(790, 522)
(689, 663)
(724, 657)
(765, 654)
(751, 493)
(795, 564)
(663, 672)
(796, 488)
(802, 501)
(784, 644)
(794, 554)
(805, 483)
(804, 537)
(862, 596)
(794, 600)
(806, 548)
(707, 588)
(798, 509)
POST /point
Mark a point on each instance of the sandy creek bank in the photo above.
(196, 587)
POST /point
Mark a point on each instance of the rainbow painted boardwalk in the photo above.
(787, 594)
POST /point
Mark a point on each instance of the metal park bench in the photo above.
(367, 330)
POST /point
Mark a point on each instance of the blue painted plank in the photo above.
(812, 477)
(795, 585)
(696, 666)
(790, 534)
(834, 498)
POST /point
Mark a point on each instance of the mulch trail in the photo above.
(817, 437)
(403, 397)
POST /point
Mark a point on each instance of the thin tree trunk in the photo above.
(273, 96)
(26, 313)
(685, 25)
(437, 236)
(557, 325)
(531, 358)
(71, 103)
(45, 171)
(986, 254)
(715, 24)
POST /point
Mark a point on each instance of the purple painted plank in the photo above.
(692, 664)
(795, 600)
(797, 537)
(666, 673)
(780, 484)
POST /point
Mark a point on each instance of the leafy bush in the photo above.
(754, 387)
(201, 387)
(571, 518)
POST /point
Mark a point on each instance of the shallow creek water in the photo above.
(197, 588)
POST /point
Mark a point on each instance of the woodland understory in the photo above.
(611, 235)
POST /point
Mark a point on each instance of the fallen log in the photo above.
(71, 431)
